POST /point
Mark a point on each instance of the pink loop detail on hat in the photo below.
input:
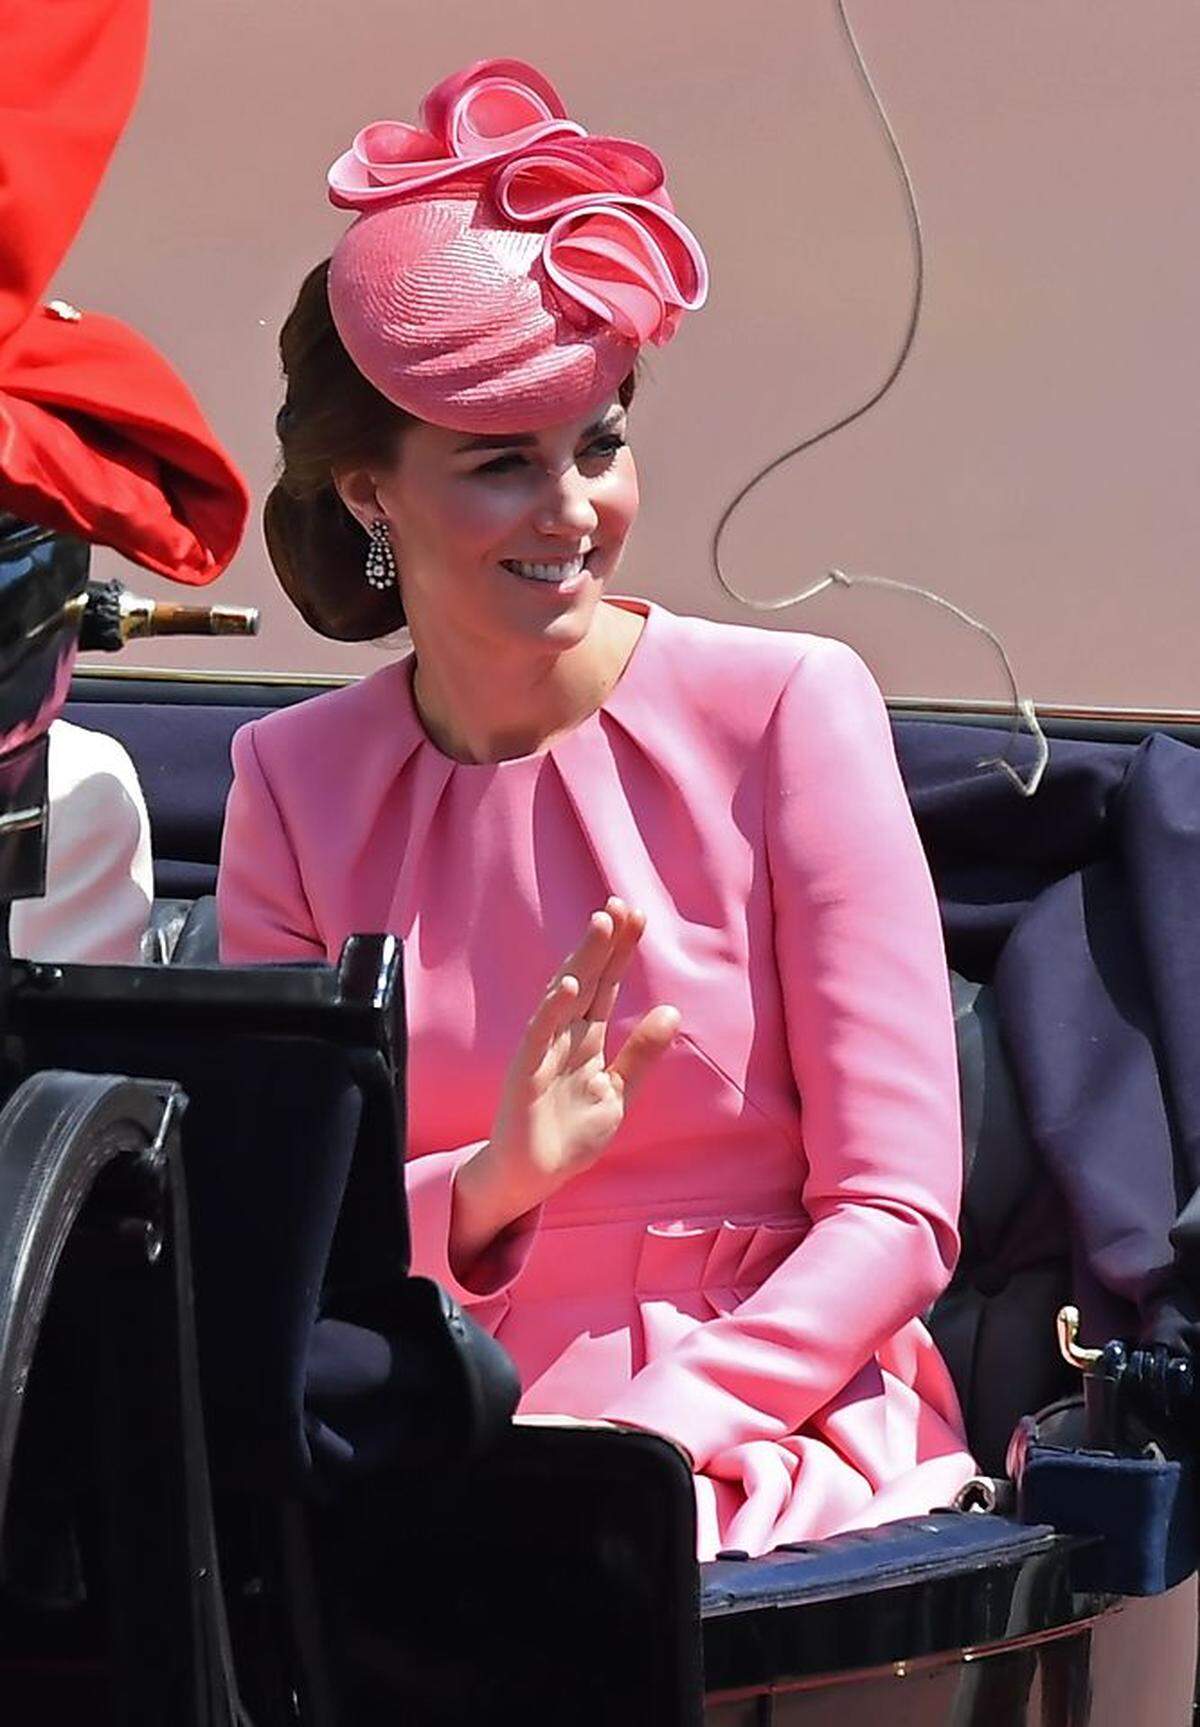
(470, 121)
(497, 155)
(615, 245)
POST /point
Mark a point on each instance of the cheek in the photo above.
(456, 523)
(479, 514)
(618, 507)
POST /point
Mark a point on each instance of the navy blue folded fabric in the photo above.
(1143, 1508)
(1081, 906)
(992, 851)
(1098, 989)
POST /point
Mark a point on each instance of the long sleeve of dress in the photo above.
(265, 917)
(99, 870)
(262, 909)
(861, 963)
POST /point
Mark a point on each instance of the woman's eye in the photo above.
(499, 465)
(603, 449)
(606, 447)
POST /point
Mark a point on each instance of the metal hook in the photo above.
(1067, 1327)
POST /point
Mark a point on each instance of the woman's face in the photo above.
(510, 540)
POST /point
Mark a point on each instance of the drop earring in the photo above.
(381, 560)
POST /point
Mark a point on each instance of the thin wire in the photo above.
(1024, 708)
(916, 235)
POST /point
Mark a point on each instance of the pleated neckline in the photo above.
(620, 692)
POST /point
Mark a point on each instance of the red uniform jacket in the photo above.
(98, 436)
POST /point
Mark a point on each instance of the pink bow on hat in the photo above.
(614, 249)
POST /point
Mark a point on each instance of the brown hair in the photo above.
(331, 418)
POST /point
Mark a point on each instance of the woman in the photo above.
(704, 1178)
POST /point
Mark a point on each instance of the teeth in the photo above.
(546, 572)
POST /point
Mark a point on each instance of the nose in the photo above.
(566, 510)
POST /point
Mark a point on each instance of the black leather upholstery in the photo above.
(197, 942)
(182, 932)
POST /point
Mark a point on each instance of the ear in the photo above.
(356, 488)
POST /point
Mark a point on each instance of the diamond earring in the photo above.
(381, 560)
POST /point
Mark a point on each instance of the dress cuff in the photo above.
(429, 1182)
(689, 1409)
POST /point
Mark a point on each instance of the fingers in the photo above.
(646, 1042)
(628, 930)
(587, 961)
(552, 1015)
(602, 957)
(586, 987)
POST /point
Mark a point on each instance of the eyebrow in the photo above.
(526, 440)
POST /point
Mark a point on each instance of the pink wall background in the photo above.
(1037, 461)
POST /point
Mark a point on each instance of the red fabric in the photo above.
(98, 435)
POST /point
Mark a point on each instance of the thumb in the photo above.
(648, 1040)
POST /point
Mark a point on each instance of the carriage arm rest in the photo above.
(875, 1596)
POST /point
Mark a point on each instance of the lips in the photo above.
(553, 572)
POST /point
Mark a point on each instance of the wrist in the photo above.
(485, 1203)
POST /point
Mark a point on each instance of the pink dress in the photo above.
(745, 1268)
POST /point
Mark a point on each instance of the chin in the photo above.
(566, 624)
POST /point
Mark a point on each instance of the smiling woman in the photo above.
(607, 1159)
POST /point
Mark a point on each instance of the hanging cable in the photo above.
(1023, 706)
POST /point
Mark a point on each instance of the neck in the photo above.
(494, 708)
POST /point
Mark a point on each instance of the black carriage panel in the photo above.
(109, 1593)
(321, 1361)
(294, 1121)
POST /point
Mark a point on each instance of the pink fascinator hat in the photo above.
(506, 266)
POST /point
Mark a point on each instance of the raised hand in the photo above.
(562, 1100)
